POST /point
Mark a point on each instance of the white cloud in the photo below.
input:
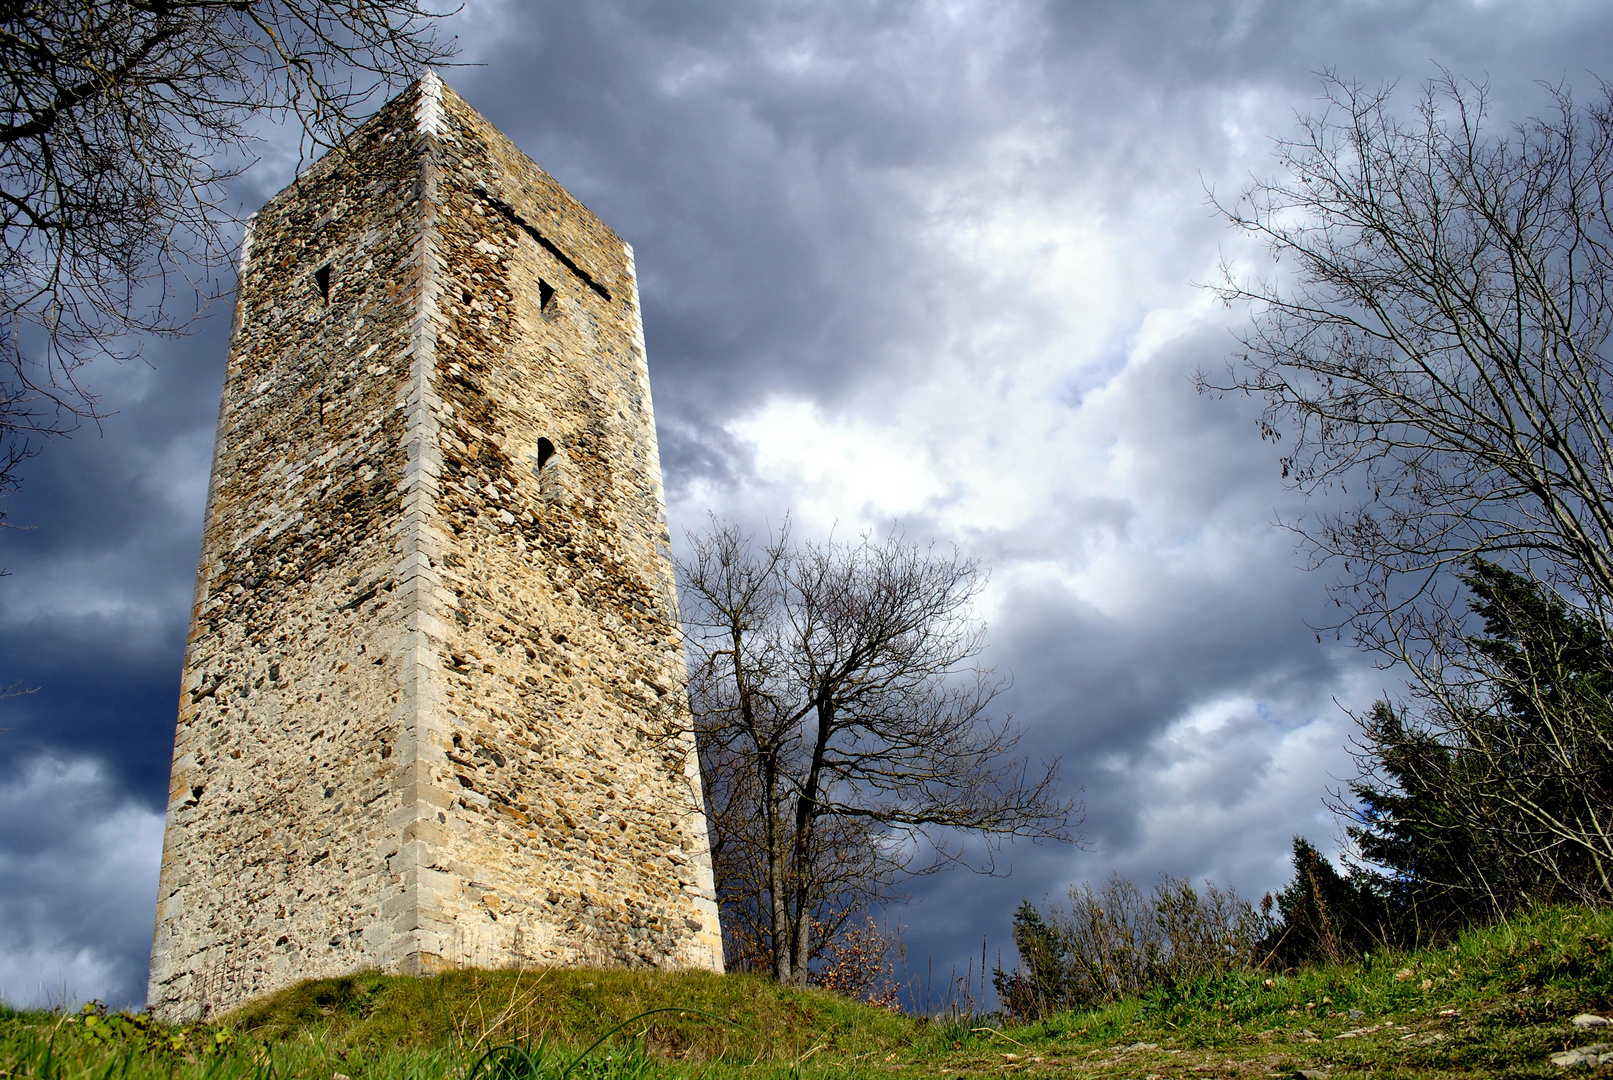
(840, 469)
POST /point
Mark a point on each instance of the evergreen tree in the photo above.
(1327, 916)
(1480, 802)
(1040, 986)
(1440, 875)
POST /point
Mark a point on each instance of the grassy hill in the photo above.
(1499, 1002)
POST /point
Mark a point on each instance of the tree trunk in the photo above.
(802, 876)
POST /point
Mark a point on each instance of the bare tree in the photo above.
(120, 123)
(845, 731)
(1436, 357)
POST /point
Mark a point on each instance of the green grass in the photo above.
(732, 1018)
(1495, 1003)
(378, 1027)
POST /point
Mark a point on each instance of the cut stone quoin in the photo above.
(433, 711)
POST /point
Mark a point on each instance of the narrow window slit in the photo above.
(322, 279)
(545, 452)
(545, 294)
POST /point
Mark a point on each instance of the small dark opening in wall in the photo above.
(464, 295)
(545, 452)
(545, 294)
(322, 279)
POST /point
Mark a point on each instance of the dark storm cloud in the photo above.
(79, 872)
(763, 159)
(795, 180)
(759, 162)
(1114, 692)
(103, 555)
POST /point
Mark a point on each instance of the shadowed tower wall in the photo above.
(433, 711)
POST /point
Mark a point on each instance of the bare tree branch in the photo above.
(1437, 354)
(845, 730)
(120, 123)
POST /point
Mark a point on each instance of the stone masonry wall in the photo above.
(433, 706)
(575, 825)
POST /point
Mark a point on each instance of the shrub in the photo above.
(1118, 942)
(855, 963)
(1327, 916)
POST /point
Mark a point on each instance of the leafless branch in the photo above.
(846, 732)
(1434, 353)
(120, 123)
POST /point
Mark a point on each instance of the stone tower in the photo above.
(433, 711)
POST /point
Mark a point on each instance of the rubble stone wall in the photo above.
(433, 711)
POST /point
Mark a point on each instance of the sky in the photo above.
(935, 266)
